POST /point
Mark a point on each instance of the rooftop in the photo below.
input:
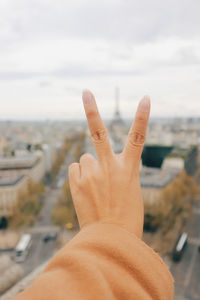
(25, 161)
(10, 180)
(157, 178)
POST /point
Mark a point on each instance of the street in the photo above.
(187, 272)
(41, 251)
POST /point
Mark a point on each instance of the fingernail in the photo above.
(87, 97)
(144, 104)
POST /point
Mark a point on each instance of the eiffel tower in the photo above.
(117, 120)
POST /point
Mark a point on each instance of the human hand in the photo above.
(107, 189)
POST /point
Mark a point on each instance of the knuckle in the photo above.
(72, 165)
(86, 156)
(136, 139)
(99, 135)
(91, 114)
(141, 118)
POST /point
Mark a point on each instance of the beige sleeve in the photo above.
(103, 261)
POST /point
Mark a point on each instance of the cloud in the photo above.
(51, 50)
(128, 21)
(70, 71)
(187, 56)
(44, 84)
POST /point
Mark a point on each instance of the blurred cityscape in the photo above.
(37, 216)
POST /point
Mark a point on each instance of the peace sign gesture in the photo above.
(108, 189)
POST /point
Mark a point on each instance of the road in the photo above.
(41, 251)
(187, 272)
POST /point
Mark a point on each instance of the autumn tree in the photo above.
(174, 202)
(64, 211)
(28, 204)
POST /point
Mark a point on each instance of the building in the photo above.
(15, 171)
(154, 155)
(9, 188)
(154, 180)
(50, 154)
(30, 164)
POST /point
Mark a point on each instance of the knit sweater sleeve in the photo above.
(103, 261)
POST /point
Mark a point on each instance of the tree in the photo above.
(28, 204)
(64, 211)
(60, 215)
(175, 202)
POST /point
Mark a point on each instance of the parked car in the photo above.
(180, 247)
(50, 237)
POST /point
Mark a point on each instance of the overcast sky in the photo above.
(51, 50)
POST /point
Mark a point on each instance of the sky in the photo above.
(51, 50)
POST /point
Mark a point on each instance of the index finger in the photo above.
(137, 133)
(97, 128)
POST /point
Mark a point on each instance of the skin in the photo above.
(107, 189)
